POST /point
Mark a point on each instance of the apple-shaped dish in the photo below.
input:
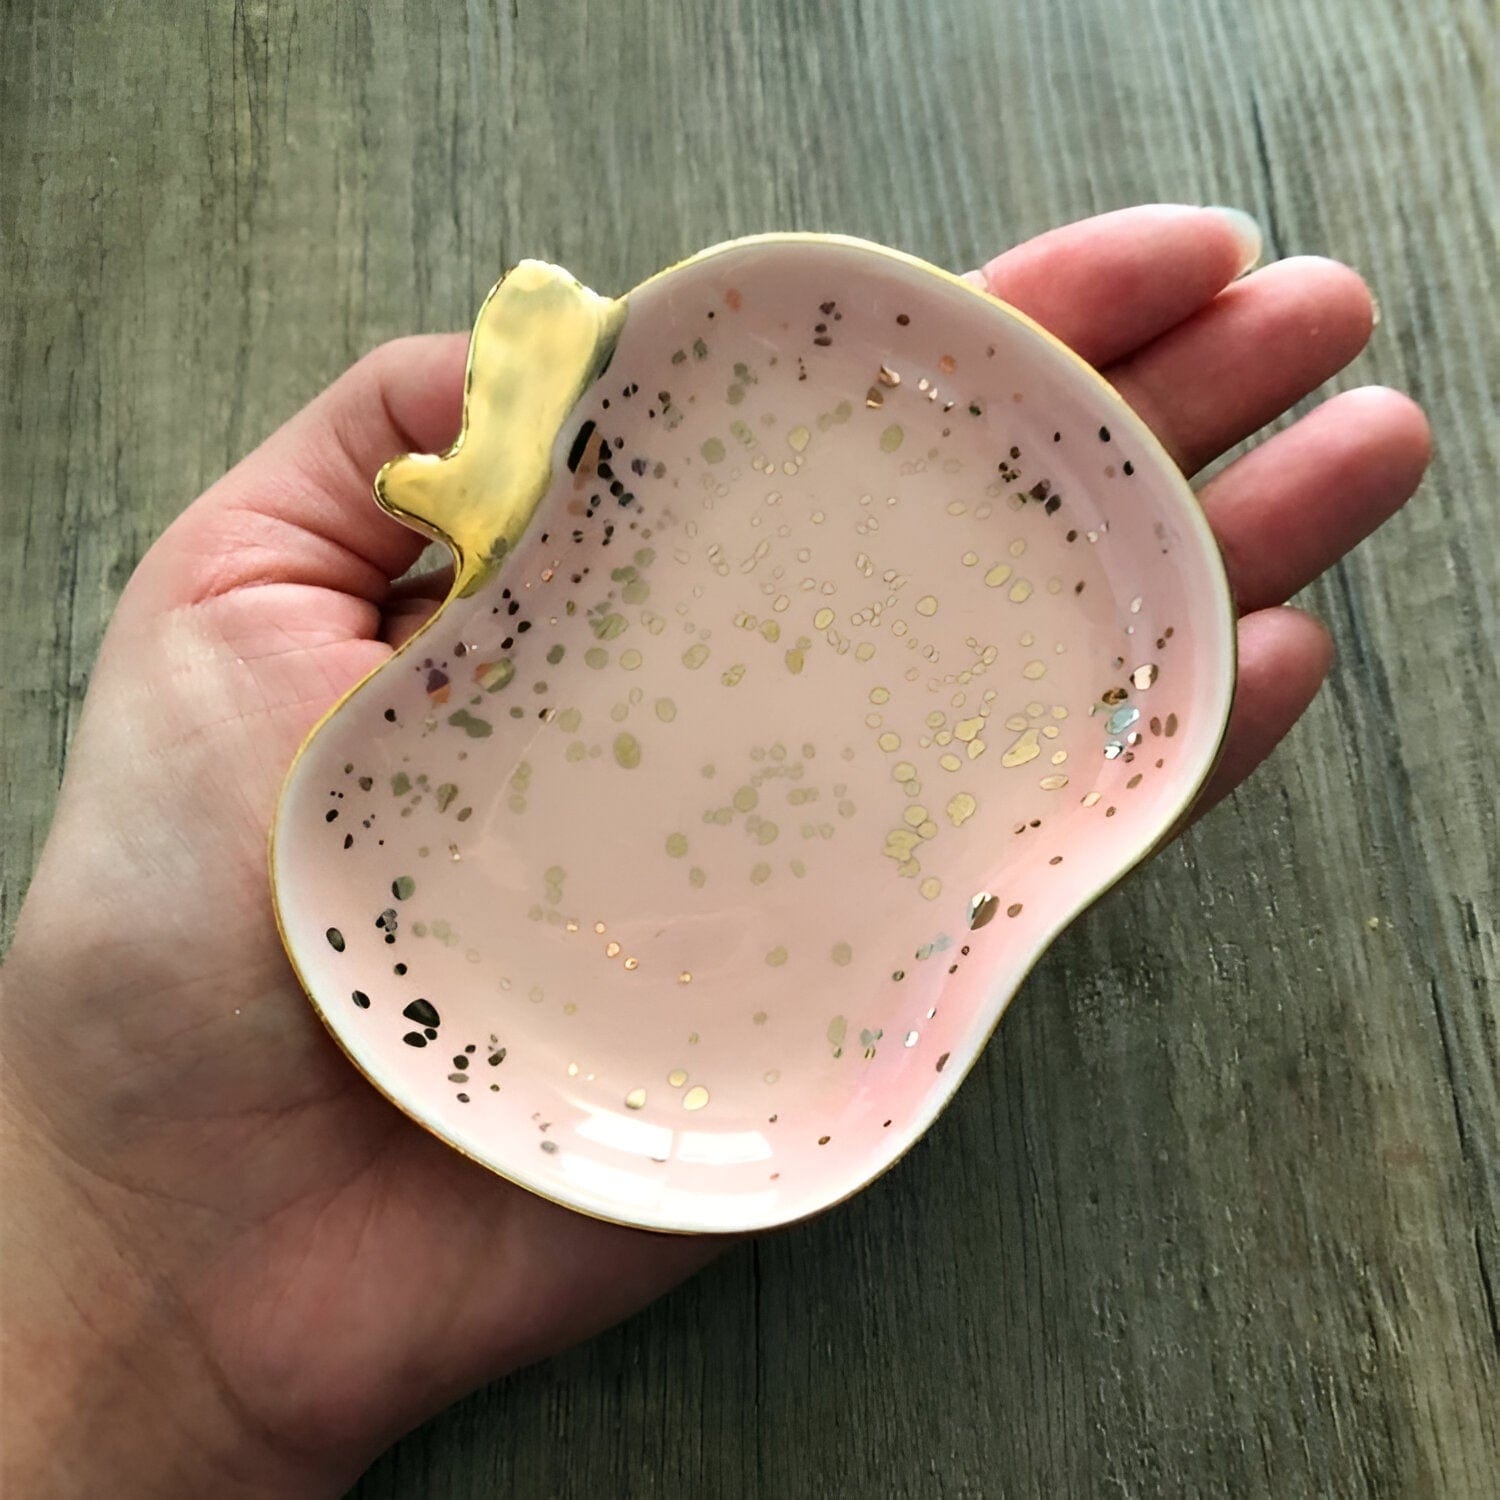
(825, 636)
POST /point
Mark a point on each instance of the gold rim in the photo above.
(464, 580)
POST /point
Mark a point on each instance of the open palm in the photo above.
(329, 1273)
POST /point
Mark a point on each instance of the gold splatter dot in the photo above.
(677, 1077)
(713, 451)
(596, 657)
(967, 729)
(1144, 676)
(880, 695)
(766, 832)
(892, 437)
(950, 762)
(1020, 591)
(635, 1099)
(686, 977)
(695, 656)
(695, 1098)
(627, 751)
(842, 954)
(745, 798)
(632, 964)
(961, 808)
(1033, 670)
(1026, 748)
(1091, 799)
(760, 874)
(776, 957)
(677, 845)
(982, 909)
(888, 376)
(697, 878)
(611, 949)
(998, 574)
(823, 619)
(798, 439)
(927, 605)
(1053, 783)
(931, 888)
(889, 741)
(630, 660)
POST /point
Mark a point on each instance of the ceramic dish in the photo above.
(825, 637)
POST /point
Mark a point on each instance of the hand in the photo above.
(231, 1264)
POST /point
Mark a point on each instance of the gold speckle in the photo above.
(842, 954)
(695, 1098)
(1053, 783)
(1091, 799)
(596, 657)
(695, 656)
(998, 574)
(745, 798)
(942, 1062)
(611, 949)
(967, 729)
(961, 808)
(1020, 591)
(635, 1099)
(947, 364)
(931, 888)
(630, 660)
(888, 377)
(632, 964)
(1026, 747)
(686, 977)
(1034, 670)
(823, 619)
(1144, 676)
(677, 845)
(713, 451)
(889, 741)
(776, 957)
(677, 1077)
(982, 909)
(892, 438)
(927, 605)
(950, 762)
(880, 695)
(599, 927)
(666, 710)
(697, 878)
(627, 751)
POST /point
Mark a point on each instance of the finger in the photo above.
(1297, 503)
(404, 617)
(1284, 655)
(1258, 347)
(300, 508)
(1107, 285)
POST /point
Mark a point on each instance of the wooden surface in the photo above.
(1218, 1211)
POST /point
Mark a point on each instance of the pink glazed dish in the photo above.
(825, 637)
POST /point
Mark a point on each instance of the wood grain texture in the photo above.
(1218, 1211)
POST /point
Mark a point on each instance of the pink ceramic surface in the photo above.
(680, 870)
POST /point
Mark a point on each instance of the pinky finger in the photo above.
(1284, 657)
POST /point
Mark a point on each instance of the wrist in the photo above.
(105, 1384)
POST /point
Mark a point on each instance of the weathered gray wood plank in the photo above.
(1218, 1212)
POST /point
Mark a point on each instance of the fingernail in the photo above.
(1246, 231)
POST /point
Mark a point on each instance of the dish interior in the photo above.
(861, 640)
